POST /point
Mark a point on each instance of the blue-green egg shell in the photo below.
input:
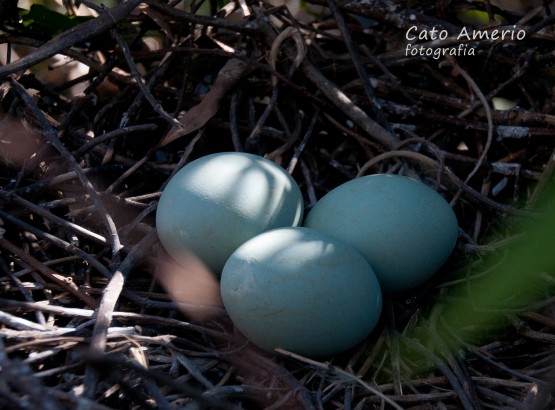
(404, 229)
(217, 202)
(301, 290)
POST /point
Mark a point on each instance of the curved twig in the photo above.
(432, 164)
(69, 38)
(52, 137)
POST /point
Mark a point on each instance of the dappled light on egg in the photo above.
(217, 202)
(191, 285)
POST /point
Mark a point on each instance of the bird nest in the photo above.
(330, 90)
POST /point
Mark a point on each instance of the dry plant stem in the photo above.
(251, 61)
(441, 380)
(248, 26)
(459, 370)
(108, 303)
(129, 171)
(193, 370)
(486, 358)
(71, 37)
(27, 294)
(257, 368)
(521, 117)
(436, 151)
(489, 10)
(546, 22)
(233, 126)
(54, 276)
(27, 383)
(115, 361)
(289, 32)
(333, 93)
(52, 137)
(357, 62)
(31, 42)
(83, 149)
(291, 137)
(70, 226)
(66, 246)
(352, 111)
(184, 158)
(461, 394)
(486, 185)
(140, 82)
(340, 372)
(137, 220)
(135, 106)
(210, 357)
(524, 329)
(388, 11)
(498, 397)
(311, 192)
(20, 323)
(365, 143)
(459, 70)
(431, 164)
(123, 316)
(300, 148)
(371, 358)
(113, 290)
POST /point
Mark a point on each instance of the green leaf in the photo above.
(512, 283)
(42, 21)
(477, 18)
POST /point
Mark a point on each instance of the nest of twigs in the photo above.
(330, 94)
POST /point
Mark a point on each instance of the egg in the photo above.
(301, 290)
(404, 229)
(217, 202)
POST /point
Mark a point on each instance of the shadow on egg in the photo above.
(217, 202)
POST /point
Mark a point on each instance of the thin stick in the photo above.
(66, 246)
(334, 369)
(357, 62)
(72, 227)
(433, 164)
(108, 303)
(51, 274)
(448, 373)
(459, 70)
(52, 137)
(110, 135)
(73, 36)
(333, 93)
(140, 82)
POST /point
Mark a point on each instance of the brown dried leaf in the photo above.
(198, 116)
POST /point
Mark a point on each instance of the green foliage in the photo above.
(44, 22)
(478, 18)
(510, 284)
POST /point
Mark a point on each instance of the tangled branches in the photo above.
(98, 117)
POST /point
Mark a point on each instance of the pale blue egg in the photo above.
(217, 202)
(301, 290)
(404, 229)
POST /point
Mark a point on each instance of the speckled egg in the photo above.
(404, 229)
(301, 290)
(219, 201)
